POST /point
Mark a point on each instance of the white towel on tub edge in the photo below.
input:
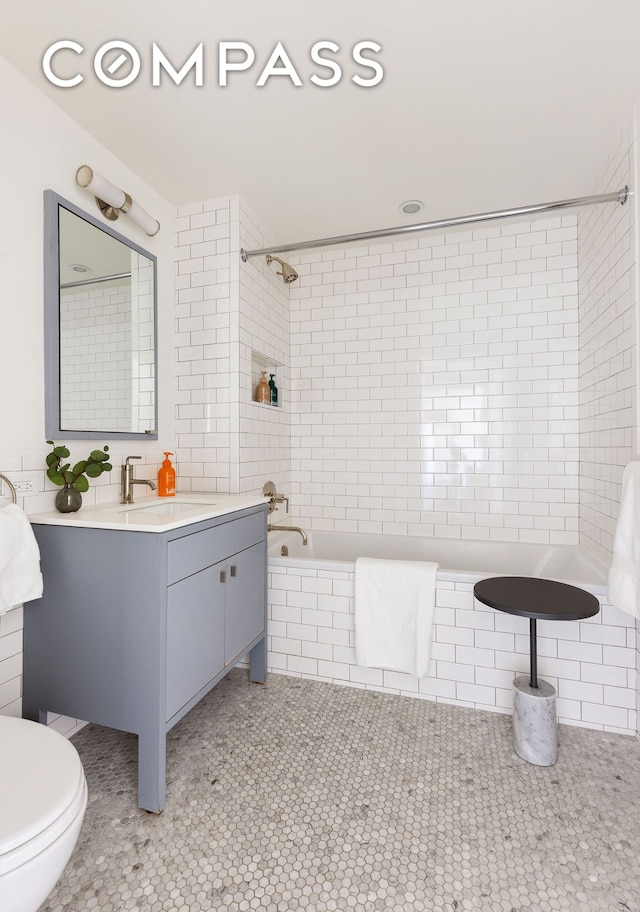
(394, 614)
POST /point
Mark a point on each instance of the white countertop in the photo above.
(153, 513)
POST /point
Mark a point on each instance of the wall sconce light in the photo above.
(112, 201)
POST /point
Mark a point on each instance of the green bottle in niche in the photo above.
(273, 390)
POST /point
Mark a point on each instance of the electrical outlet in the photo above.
(23, 487)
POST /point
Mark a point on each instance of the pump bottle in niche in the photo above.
(262, 391)
(273, 390)
(167, 477)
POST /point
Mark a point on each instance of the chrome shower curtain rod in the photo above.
(96, 281)
(618, 196)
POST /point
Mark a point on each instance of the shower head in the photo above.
(288, 274)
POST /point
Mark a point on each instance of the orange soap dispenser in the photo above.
(167, 478)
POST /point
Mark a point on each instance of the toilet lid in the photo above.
(40, 776)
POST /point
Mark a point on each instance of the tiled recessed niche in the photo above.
(259, 363)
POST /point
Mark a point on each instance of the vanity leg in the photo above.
(31, 706)
(34, 715)
(258, 662)
(152, 762)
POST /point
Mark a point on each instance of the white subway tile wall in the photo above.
(225, 310)
(95, 338)
(607, 245)
(107, 334)
(11, 625)
(204, 342)
(475, 655)
(435, 385)
(265, 430)
(143, 341)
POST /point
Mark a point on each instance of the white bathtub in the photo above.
(476, 651)
(456, 559)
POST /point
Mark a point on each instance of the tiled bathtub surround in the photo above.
(225, 310)
(607, 354)
(476, 651)
(264, 431)
(435, 385)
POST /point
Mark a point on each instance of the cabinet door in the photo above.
(245, 586)
(195, 635)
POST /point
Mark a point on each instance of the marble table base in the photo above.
(535, 733)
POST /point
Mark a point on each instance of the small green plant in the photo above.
(61, 473)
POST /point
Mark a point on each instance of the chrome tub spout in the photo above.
(273, 528)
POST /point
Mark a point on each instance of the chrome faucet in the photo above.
(269, 490)
(127, 481)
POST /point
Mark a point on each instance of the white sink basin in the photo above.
(170, 508)
(153, 513)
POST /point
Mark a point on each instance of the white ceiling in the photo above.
(485, 104)
(82, 244)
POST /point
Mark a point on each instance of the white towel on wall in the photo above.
(623, 588)
(20, 576)
(394, 613)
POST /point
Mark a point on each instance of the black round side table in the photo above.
(534, 716)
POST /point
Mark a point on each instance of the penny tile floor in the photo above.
(305, 795)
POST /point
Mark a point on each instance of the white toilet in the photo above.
(43, 797)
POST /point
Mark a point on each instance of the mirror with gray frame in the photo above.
(100, 329)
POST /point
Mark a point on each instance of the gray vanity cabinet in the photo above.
(195, 637)
(211, 616)
(134, 628)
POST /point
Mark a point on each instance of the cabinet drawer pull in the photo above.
(222, 576)
(232, 571)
